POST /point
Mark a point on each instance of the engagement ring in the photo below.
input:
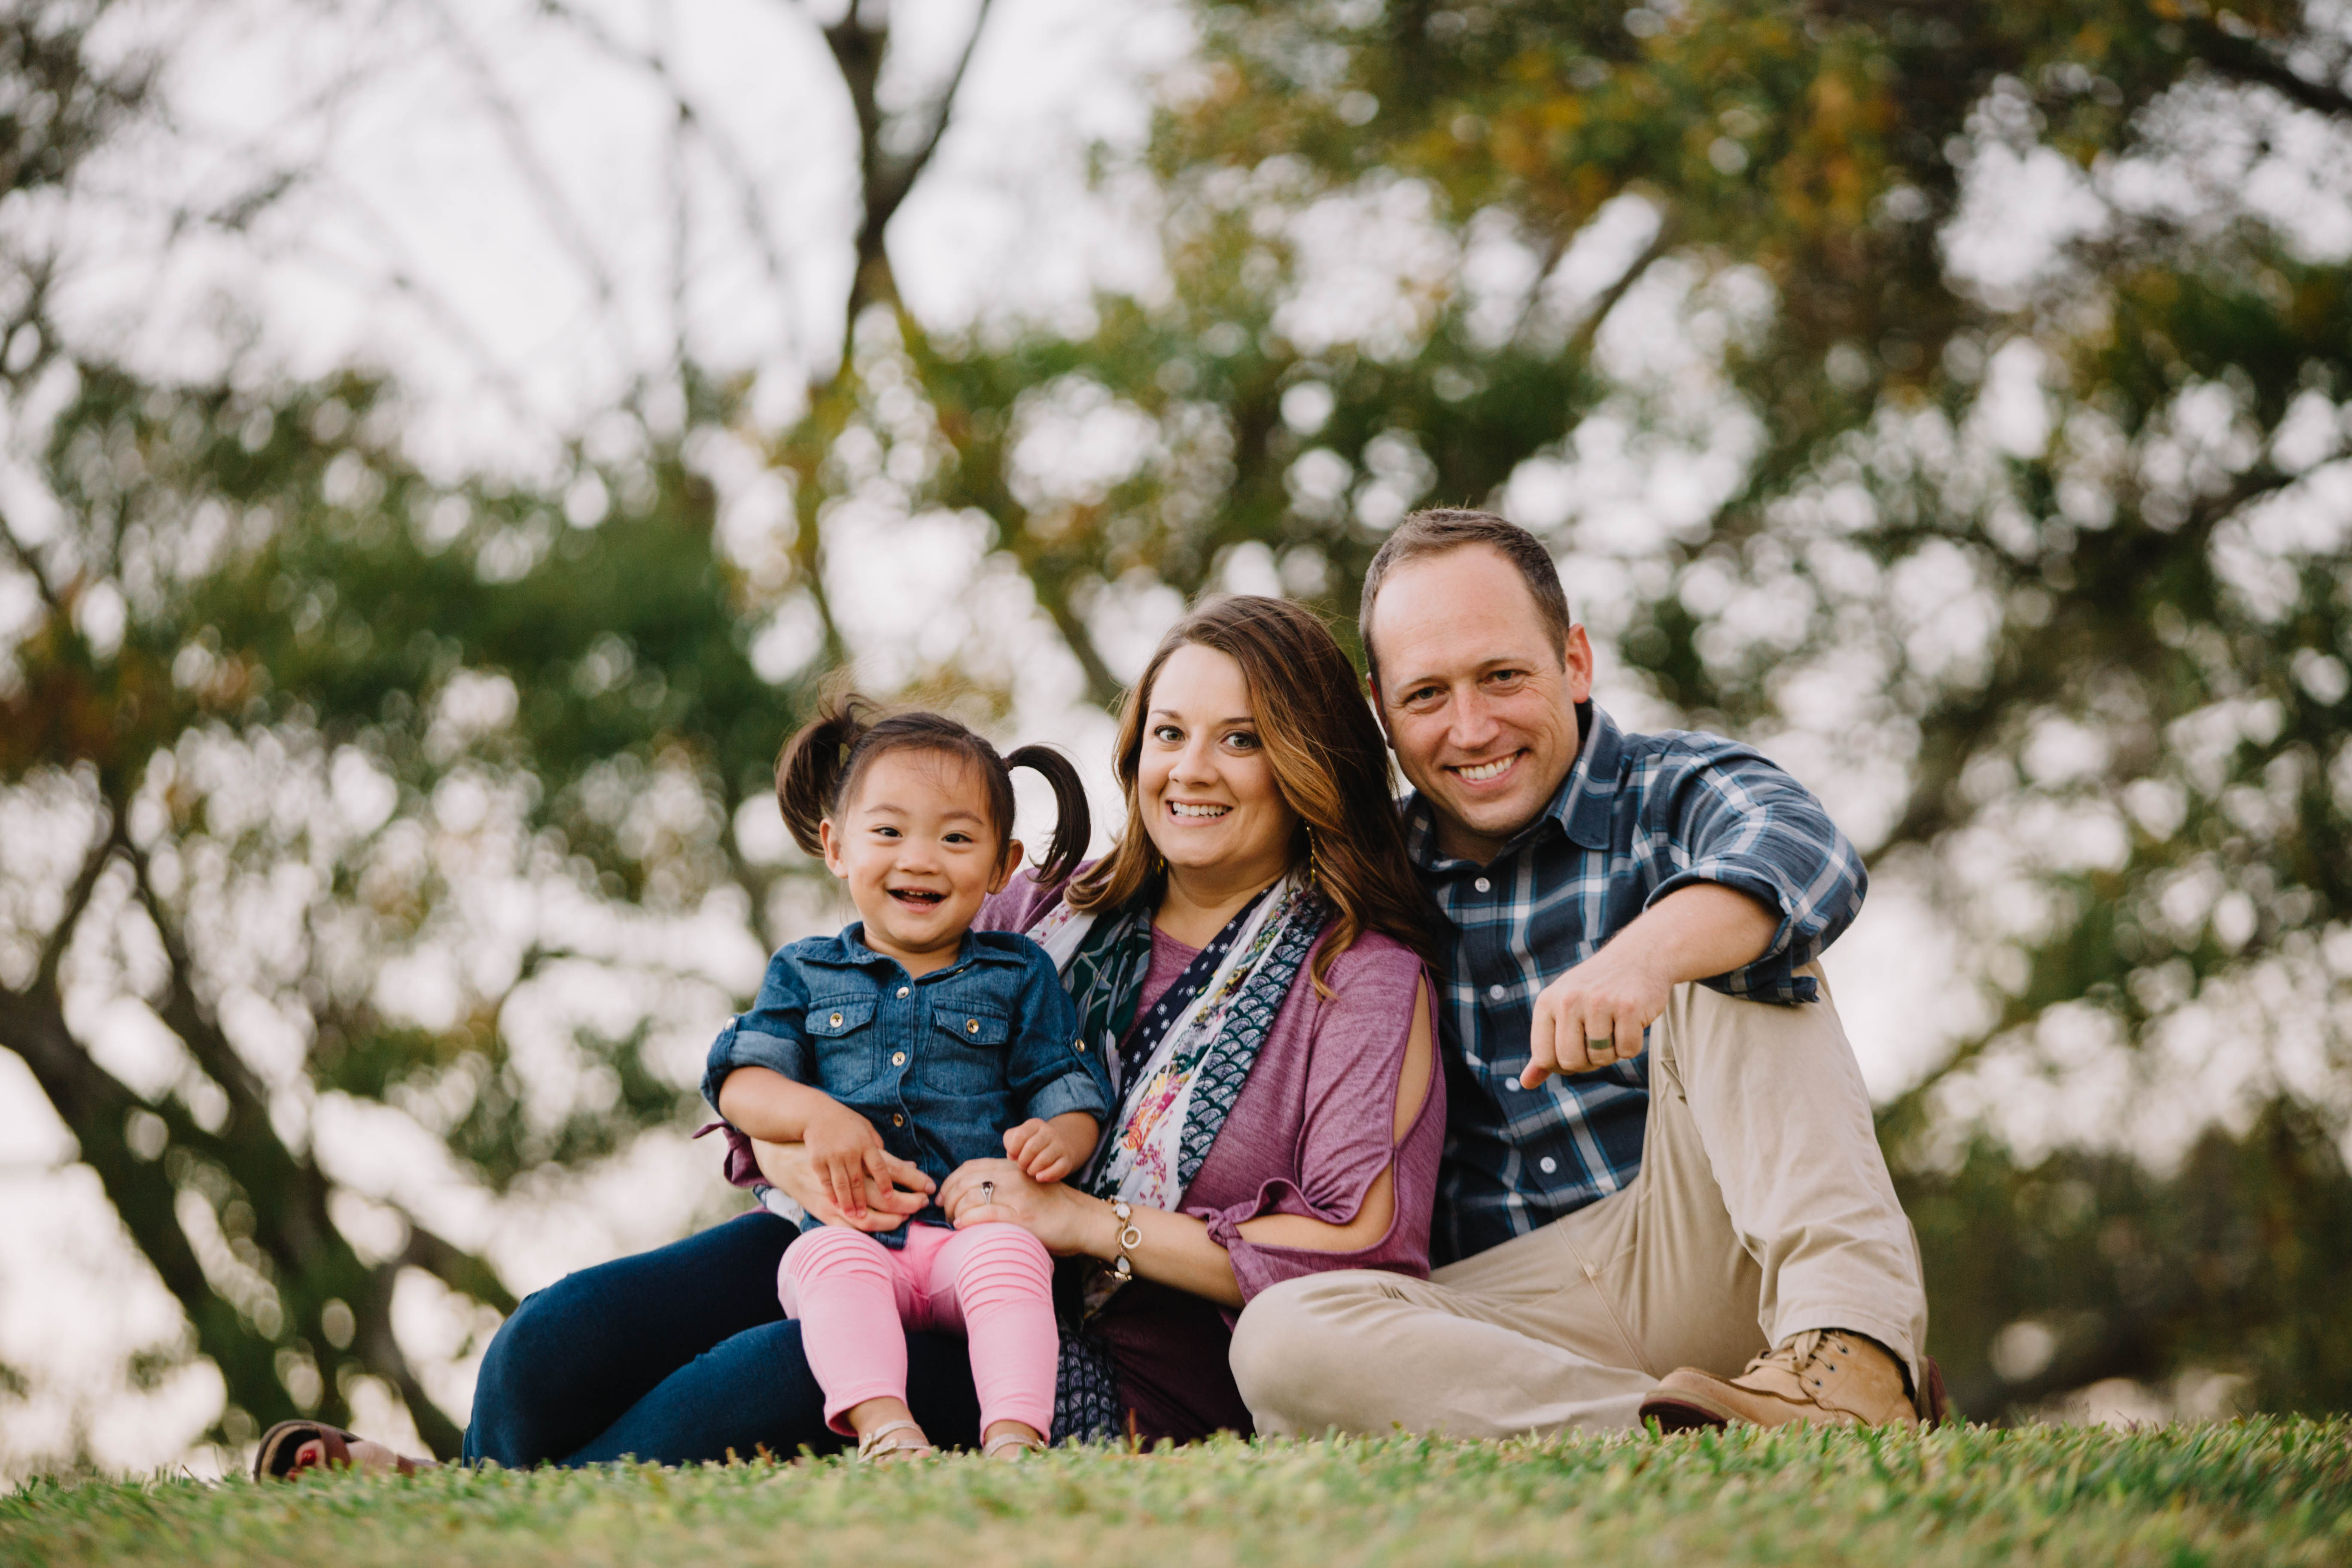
(988, 1191)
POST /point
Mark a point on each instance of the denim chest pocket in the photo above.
(966, 1052)
(848, 1046)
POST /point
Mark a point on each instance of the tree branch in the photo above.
(185, 1015)
(23, 555)
(455, 1266)
(78, 897)
(96, 1105)
(1555, 245)
(537, 177)
(396, 272)
(757, 223)
(1103, 687)
(1580, 343)
(2041, 663)
(2246, 60)
(289, 1197)
(857, 53)
(380, 1351)
(681, 221)
(898, 181)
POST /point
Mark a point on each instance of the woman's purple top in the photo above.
(1313, 1129)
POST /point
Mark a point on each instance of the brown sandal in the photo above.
(281, 1447)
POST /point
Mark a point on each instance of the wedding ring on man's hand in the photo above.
(988, 1191)
(1600, 1048)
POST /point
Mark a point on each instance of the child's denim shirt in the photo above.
(941, 1066)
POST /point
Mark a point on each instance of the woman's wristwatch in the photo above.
(1122, 1267)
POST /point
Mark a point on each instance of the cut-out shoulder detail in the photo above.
(1420, 1065)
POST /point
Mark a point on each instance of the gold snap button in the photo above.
(898, 1120)
(898, 1059)
(971, 1026)
(837, 1020)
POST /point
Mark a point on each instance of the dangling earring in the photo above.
(1314, 865)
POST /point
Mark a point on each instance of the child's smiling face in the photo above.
(914, 841)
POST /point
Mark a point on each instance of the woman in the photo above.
(1246, 955)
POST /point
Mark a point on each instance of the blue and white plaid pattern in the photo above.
(1638, 818)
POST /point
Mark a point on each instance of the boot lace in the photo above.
(1801, 1353)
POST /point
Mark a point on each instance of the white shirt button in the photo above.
(1546, 1164)
(902, 991)
(1483, 885)
(1495, 992)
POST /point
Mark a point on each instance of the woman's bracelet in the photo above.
(1122, 1267)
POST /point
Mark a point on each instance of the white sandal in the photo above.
(872, 1446)
(1021, 1447)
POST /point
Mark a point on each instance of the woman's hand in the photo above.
(788, 1167)
(1065, 1219)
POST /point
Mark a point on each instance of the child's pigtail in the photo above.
(1073, 824)
(809, 768)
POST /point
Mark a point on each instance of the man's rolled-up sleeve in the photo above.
(769, 1036)
(1732, 817)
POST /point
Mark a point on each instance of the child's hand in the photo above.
(844, 1151)
(1049, 1151)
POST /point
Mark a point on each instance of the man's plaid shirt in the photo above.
(1638, 818)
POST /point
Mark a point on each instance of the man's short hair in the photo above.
(1442, 529)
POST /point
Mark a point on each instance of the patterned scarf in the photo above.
(1177, 1073)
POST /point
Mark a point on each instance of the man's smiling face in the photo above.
(1478, 700)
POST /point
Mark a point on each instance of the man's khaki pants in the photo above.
(1762, 1208)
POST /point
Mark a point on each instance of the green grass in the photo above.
(2257, 1492)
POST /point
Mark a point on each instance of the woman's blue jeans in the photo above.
(681, 1355)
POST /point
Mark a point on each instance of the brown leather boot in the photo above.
(1821, 1377)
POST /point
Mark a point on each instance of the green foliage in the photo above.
(2161, 577)
(61, 104)
(2230, 1262)
(297, 590)
(2257, 1493)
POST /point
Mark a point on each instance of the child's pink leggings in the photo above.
(857, 1297)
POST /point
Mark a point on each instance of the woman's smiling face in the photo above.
(1206, 788)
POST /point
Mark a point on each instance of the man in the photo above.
(1660, 1157)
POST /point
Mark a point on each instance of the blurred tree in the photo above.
(2061, 548)
(288, 726)
(1711, 293)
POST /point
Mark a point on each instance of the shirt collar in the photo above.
(849, 951)
(1589, 793)
(1581, 806)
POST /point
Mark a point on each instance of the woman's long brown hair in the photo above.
(1328, 760)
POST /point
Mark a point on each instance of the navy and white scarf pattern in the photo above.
(1177, 1073)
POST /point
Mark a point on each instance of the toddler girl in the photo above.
(912, 1033)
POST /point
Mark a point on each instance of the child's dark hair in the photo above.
(820, 766)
